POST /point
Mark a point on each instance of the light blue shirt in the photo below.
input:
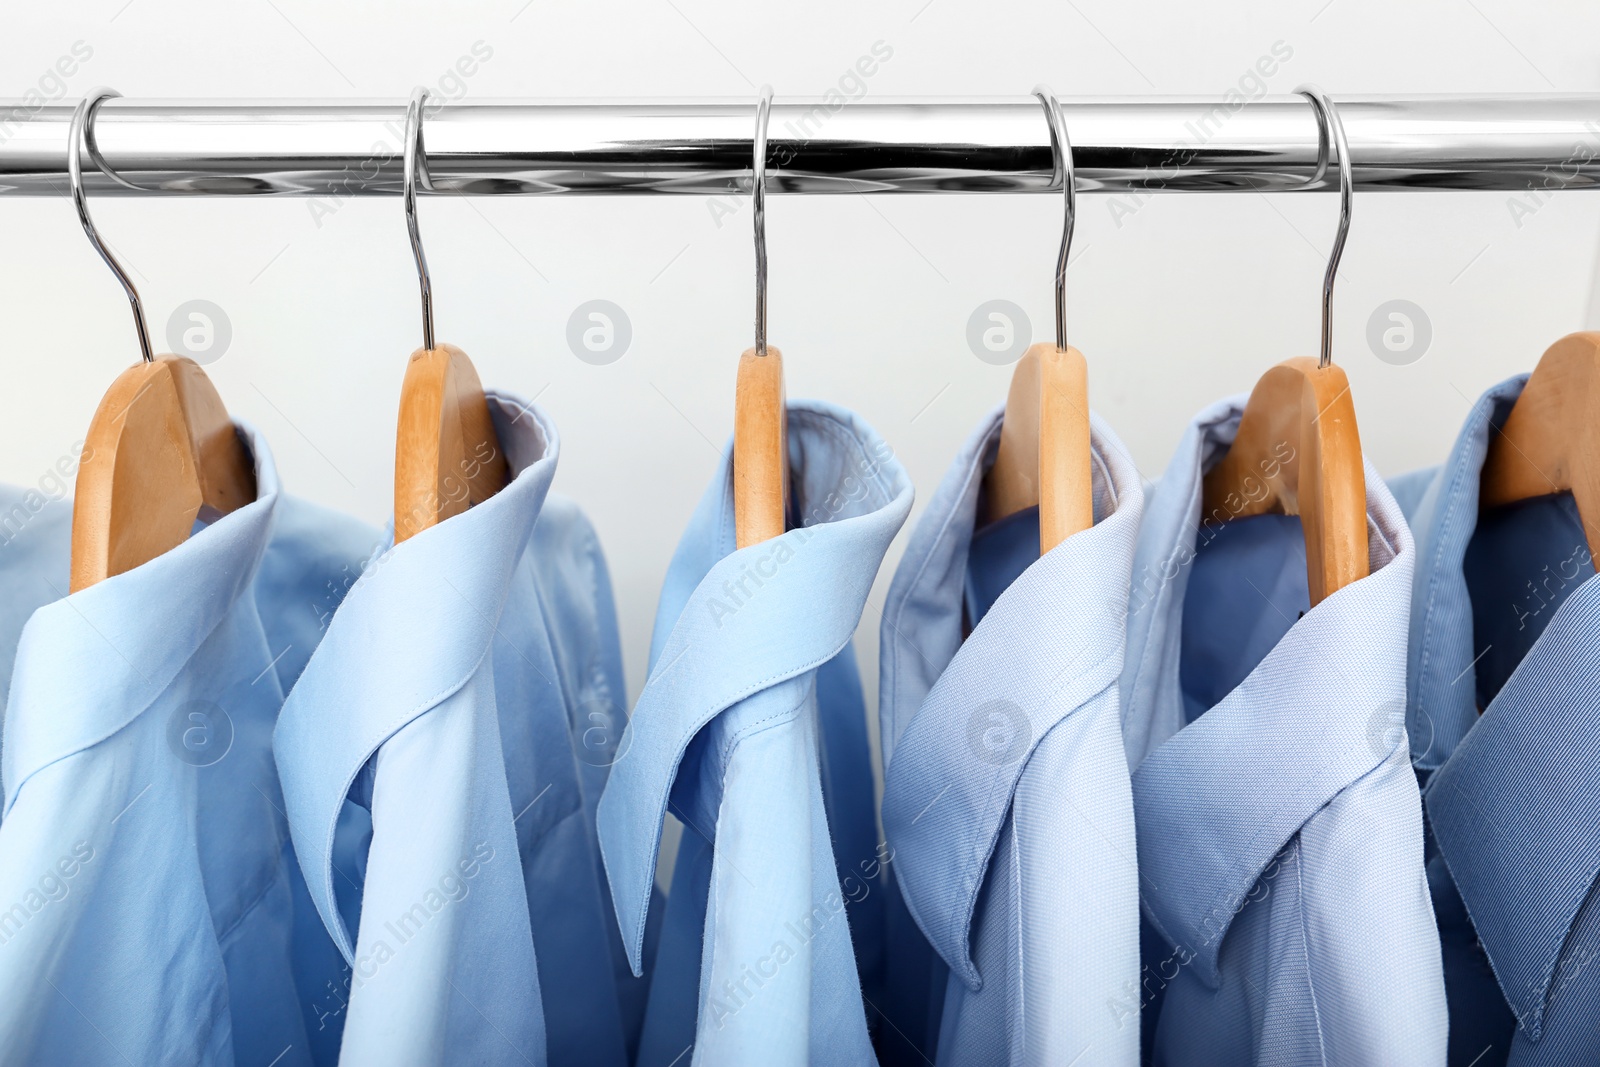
(1279, 823)
(148, 891)
(1007, 800)
(436, 707)
(35, 564)
(1506, 616)
(733, 728)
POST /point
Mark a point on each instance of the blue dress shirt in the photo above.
(741, 712)
(435, 706)
(35, 565)
(1279, 823)
(1506, 617)
(149, 893)
(1007, 800)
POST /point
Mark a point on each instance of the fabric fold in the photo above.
(446, 709)
(1279, 822)
(1007, 800)
(1506, 618)
(730, 735)
(144, 843)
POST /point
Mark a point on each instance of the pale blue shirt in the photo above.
(1279, 823)
(1506, 617)
(436, 707)
(144, 860)
(1007, 801)
(35, 564)
(732, 731)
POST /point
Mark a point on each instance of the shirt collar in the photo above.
(413, 629)
(1057, 629)
(1504, 803)
(1217, 799)
(734, 622)
(1442, 701)
(922, 618)
(1509, 813)
(89, 663)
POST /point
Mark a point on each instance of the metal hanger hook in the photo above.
(80, 135)
(416, 173)
(758, 201)
(1330, 128)
(1061, 150)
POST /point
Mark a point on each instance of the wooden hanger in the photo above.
(161, 450)
(760, 449)
(760, 417)
(447, 456)
(1298, 451)
(1043, 458)
(1550, 442)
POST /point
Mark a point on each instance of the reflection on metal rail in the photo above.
(1136, 146)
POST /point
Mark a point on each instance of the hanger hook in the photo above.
(1061, 151)
(758, 200)
(1330, 128)
(80, 134)
(417, 174)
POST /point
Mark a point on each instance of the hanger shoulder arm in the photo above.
(447, 455)
(1550, 442)
(1298, 452)
(1043, 455)
(760, 449)
(138, 491)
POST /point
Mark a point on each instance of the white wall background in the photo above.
(1175, 305)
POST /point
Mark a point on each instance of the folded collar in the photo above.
(1514, 809)
(1050, 642)
(1442, 704)
(411, 632)
(733, 623)
(922, 617)
(1217, 799)
(89, 663)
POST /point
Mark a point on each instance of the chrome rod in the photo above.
(1129, 146)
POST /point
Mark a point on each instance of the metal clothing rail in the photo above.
(1130, 146)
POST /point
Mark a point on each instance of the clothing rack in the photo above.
(1127, 146)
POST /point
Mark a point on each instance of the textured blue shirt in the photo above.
(1007, 800)
(1279, 823)
(439, 707)
(748, 729)
(1506, 617)
(148, 887)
